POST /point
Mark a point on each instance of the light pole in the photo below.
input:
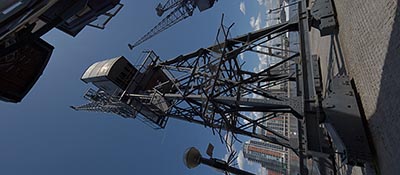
(193, 158)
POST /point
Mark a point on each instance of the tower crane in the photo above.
(170, 4)
(182, 10)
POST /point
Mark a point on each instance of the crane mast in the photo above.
(183, 9)
(170, 4)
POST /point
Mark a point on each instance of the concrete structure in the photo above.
(23, 22)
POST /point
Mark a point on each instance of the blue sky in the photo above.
(42, 135)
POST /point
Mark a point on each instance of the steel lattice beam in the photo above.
(212, 88)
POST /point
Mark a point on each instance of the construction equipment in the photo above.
(183, 9)
(170, 4)
(210, 86)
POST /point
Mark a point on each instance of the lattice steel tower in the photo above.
(211, 87)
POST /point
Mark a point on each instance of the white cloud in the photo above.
(252, 22)
(261, 2)
(255, 23)
(245, 122)
(240, 160)
(262, 170)
(267, 3)
(242, 8)
(256, 115)
(230, 146)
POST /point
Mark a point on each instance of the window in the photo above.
(9, 5)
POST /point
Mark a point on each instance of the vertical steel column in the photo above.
(308, 90)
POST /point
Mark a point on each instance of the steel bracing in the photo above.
(211, 88)
(183, 9)
(170, 4)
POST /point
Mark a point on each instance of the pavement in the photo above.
(369, 32)
(369, 43)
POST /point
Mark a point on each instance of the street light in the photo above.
(193, 158)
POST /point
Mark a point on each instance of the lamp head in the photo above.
(192, 157)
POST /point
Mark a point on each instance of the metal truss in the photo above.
(211, 87)
(214, 90)
(183, 10)
(102, 102)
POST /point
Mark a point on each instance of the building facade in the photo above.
(270, 156)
